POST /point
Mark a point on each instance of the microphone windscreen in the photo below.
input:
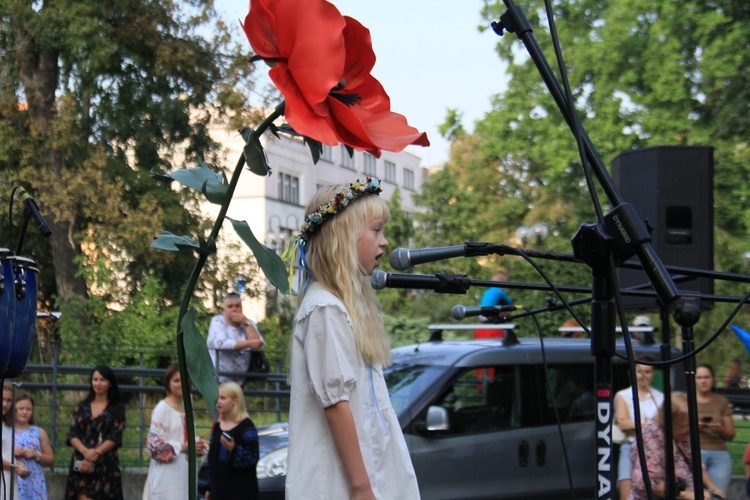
(458, 312)
(378, 280)
(399, 259)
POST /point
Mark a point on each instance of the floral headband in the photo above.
(296, 252)
(355, 190)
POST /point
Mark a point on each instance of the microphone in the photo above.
(460, 312)
(440, 283)
(403, 258)
(33, 209)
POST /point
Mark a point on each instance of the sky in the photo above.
(430, 57)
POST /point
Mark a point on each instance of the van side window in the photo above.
(572, 388)
(481, 400)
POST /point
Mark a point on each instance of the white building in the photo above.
(274, 206)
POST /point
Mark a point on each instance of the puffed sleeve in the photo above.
(217, 335)
(158, 445)
(330, 354)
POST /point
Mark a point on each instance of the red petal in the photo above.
(360, 57)
(299, 114)
(308, 34)
(363, 129)
(259, 28)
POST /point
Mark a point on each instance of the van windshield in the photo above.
(406, 383)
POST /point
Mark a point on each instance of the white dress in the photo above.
(168, 472)
(7, 455)
(327, 369)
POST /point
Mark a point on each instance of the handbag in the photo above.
(258, 362)
(618, 437)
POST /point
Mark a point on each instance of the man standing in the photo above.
(231, 337)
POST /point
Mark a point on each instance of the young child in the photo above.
(32, 449)
(20, 469)
(345, 440)
(233, 452)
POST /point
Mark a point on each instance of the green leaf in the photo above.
(212, 184)
(173, 243)
(255, 155)
(200, 368)
(271, 264)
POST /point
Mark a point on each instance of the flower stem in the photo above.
(188, 294)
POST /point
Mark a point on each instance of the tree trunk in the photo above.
(39, 70)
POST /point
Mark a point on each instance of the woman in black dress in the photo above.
(96, 434)
(233, 453)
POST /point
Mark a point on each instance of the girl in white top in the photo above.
(649, 402)
(345, 440)
(167, 444)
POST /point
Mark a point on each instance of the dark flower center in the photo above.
(347, 99)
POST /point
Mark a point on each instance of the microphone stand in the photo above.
(621, 234)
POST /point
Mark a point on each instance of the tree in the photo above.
(95, 95)
(642, 74)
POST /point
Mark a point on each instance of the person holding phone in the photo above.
(716, 427)
(233, 452)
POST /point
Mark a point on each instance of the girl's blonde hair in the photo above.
(234, 391)
(332, 261)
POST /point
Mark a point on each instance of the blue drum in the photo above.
(7, 308)
(25, 288)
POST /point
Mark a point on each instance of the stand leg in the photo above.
(687, 314)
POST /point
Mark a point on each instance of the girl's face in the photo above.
(7, 401)
(175, 385)
(99, 384)
(704, 381)
(645, 375)
(225, 404)
(371, 245)
(24, 411)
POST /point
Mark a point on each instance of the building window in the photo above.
(289, 188)
(327, 153)
(409, 179)
(346, 160)
(390, 172)
(371, 165)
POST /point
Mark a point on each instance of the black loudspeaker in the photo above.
(672, 188)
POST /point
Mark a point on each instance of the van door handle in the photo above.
(541, 453)
(523, 454)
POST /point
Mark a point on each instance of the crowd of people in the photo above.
(345, 440)
(715, 425)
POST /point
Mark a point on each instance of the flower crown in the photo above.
(355, 190)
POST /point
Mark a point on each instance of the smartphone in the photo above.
(77, 464)
(706, 420)
(226, 435)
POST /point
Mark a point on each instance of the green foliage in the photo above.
(406, 330)
(92, 99)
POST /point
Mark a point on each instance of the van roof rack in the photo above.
(436, 330)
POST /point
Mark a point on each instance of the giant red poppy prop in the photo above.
(321, 63)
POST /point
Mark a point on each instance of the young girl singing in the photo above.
(344, 436)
